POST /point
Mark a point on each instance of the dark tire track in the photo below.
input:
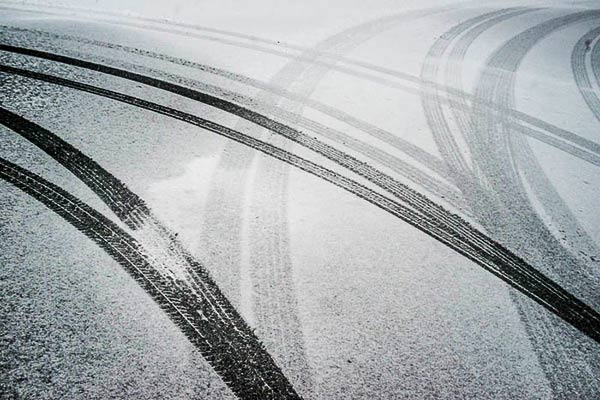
(127, 206)
(228, 345)
(359, 167)
(580, 72)
(428, 217)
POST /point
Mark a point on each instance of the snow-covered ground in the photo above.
(489, 111)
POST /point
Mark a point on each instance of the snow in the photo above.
(350, 301)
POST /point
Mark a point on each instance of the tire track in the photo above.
(515, 222)
(507, 59)
(461, 108)
(463, 175)
(424, 158)
(138, 217)
(461, 113)
(440, 129)
(399, 75)
(311, 55)
(580, 73)
(449, 229)
(269, 203)
(303, 53)
(228, 345)
(382, 135)
(558, 211)
(384, 181)
(309, 52)
(429, 183)
(127, 206)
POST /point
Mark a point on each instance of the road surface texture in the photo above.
(298, 200)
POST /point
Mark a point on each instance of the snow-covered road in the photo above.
(341, 201)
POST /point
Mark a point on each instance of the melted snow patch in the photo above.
(179, 201)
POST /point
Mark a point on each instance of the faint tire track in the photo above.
(530, 168)
(293, 52)
(464, 176)
(269, 259)
(432, 108)
(386, 71)
(595, 61)
(580, 73)
(461, 113)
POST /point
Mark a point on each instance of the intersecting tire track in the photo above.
(422, 214)
(455, 62)
(461, 110)
(514, 220)
(479, 198)
(227, 343)
(271, 267)
(463, 175)
(496, 85)
(528, 164)
(413, 151)
(432, 107)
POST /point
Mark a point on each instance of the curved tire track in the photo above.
(529, 166)
(428, 182)
(382, 180)
(493, 149)
(464, 176)
(427, 217)
(553, 130)
(228, 345)
(432, 107)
